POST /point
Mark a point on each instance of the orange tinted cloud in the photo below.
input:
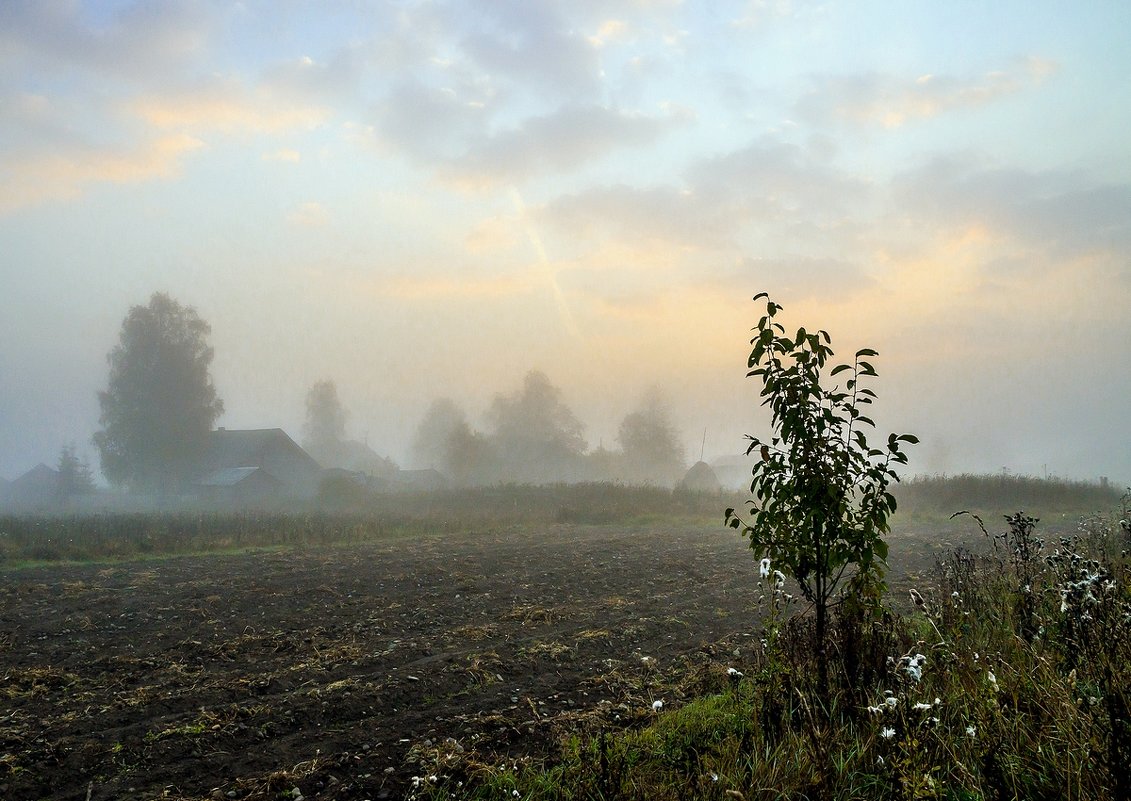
(227, 109)
(64, 175)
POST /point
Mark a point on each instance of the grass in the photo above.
(1011, 680)
(1002, 494)
(27, 540)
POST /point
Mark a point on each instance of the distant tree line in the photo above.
(532, 437)
(160, 404)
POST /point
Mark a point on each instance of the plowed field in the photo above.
(345, 673)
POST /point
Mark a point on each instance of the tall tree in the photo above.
(653, 453)
(325, 428)
(433, 441)
(160, 403)
(74, 475)
(536, 436)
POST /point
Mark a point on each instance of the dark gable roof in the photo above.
(37, 485)
(39, 475)
(268, 448)
(228, 448)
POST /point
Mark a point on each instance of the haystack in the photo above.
(700, 478)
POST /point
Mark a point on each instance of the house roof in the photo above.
(39, 474)
(269, 449)
(232, 448)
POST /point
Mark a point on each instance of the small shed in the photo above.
(700, 478)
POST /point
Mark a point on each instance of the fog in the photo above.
(429, 204)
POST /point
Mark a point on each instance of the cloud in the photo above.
(1052, 215)
(799, 277)
(634, 215)
(283, 154)
(226, 107)
(757, 14)
(63, 174)
(428, 123)
(309, 215)
(611, 30)
(560, 141)
(531, 45)
(779, 177)
(875, 99)
(768, 186)
(450, 131)
(139, 42)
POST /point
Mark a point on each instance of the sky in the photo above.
(424, 199)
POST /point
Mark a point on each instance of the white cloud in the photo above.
(891, 102)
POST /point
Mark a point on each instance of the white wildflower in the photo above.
(714, 776)
(734, 672)
(887, 732)
(914, 666)
(921, 707)
(657, 705)
(779, 579)
(764, 568)
(991, 678)
(891, 701)
(875, 710)
(971, 731)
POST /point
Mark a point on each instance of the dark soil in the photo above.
(347, 672)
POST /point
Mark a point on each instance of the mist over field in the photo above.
(428, 203)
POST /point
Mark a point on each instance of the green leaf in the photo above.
(840, 368)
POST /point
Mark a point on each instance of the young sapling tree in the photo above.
(821, 504)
